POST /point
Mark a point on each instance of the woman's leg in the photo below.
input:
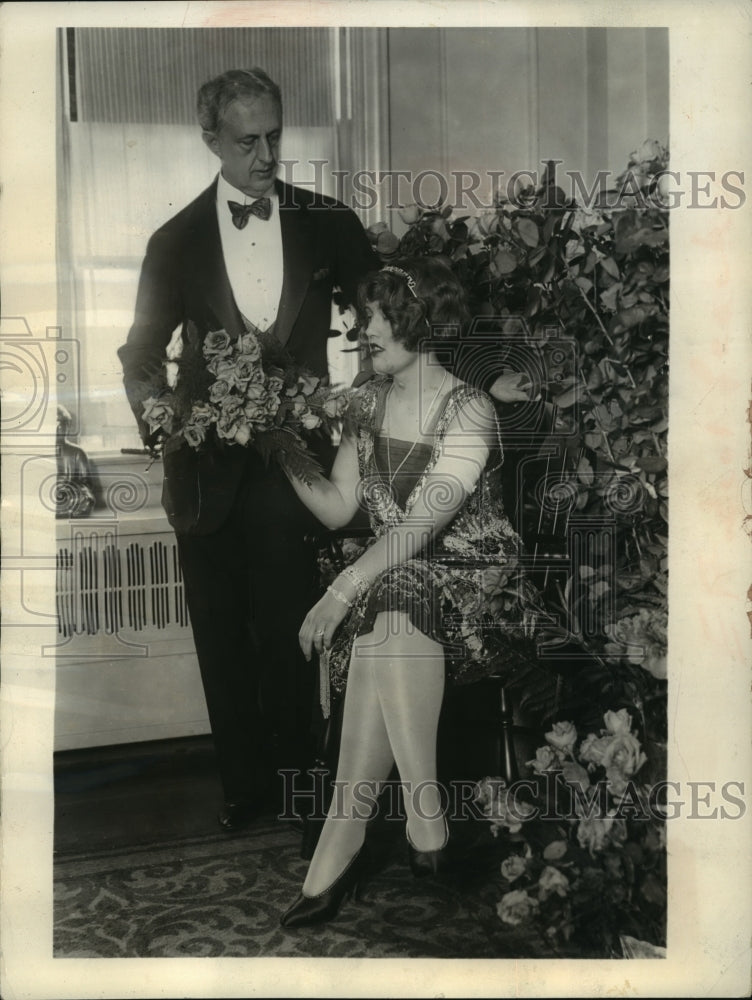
(408, 668)
(364, 756)
(395, 687)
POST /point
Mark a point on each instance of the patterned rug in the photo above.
(223, 897)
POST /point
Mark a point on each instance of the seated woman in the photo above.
(419, 452)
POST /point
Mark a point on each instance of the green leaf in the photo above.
(504, 262)
(558, 848)
(533, 302)
(528, 232)
(537, 255)
(653, 890)
(548, 228)
(568, 398)
(585, 471)
(652, 463)
(599, 589)
(610, 266)
(593, 440)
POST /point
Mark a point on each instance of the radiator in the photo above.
(119, 585)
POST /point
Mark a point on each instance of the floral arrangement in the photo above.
(243, 396)
(594, 274)
(585, 858)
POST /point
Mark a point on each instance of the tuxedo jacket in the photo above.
(184, 281)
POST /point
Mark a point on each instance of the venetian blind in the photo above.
(151, 75)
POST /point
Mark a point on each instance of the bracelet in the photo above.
(339, 596)
(357, 579)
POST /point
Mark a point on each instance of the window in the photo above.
(131, 156)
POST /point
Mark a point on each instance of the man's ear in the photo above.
(210, 139)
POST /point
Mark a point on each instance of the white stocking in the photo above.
(364, 756)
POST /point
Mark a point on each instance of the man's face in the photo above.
(247, 143)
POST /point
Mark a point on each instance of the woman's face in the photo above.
(388, 356)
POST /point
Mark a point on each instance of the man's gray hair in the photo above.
(216, 95)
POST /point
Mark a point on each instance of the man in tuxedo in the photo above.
(249, 252)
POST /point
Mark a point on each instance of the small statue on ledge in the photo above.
(74, 492)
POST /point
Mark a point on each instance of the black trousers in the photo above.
(248, 586)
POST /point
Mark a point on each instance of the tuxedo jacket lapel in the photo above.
(210, 271)
(297, 255)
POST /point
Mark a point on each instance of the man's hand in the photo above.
(154, 444)
(512, 387)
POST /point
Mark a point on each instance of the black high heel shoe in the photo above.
(428, 862)
(308, 910)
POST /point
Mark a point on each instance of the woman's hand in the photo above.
(511, 387)
(320, 624)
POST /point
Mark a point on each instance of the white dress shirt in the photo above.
(253, 256)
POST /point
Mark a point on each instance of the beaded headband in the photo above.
(403, 274)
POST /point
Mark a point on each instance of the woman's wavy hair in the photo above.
(420, 297)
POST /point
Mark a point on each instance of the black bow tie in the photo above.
(261, 208)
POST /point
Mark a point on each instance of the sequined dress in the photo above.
(466, 589)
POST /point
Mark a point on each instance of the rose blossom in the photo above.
(650, 150)
(624, 754)
(249, 346)
(551, 882)
(247, 370)
(593, 748)
(219, 364)
(596, 832)
(310, 420)
(201, 414)
(217, 342)
(618, 722)
(546, 759)
(229, 407)
(644, 639)
(194, 433)
(516, 907)
(512, 867)
(410, 213)
(158, 412)
(562, 737)
(219, 390)
(242, 432)
(335, 406)
(257, 411)
(616, 782)
(493, 797)
(487, 791)
(228, 422)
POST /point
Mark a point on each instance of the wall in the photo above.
(504, 99)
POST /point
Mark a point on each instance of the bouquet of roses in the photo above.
(240, 397)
